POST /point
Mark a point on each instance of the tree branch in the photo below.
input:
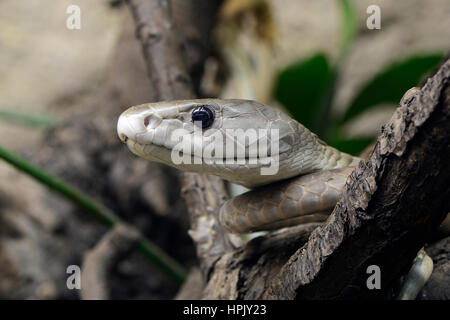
(391, 205)
(157, 31)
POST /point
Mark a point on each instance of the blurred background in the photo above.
(61, 92)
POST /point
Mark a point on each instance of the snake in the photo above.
(305, 187)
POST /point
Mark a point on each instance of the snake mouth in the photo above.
(150, 151)
(123, 138)
(163, 154)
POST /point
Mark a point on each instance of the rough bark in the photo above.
(247, 272)
(392, 204)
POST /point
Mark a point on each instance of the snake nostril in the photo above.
(123, 137)
(147, 121)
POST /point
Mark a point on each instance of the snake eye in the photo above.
(203, 114)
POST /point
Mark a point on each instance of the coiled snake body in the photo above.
(310, 174)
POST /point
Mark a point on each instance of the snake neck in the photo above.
(313, 155)
(335, 159)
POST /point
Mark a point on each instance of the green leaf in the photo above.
(32, 120)
(301, 88)
(353, 146)
(390, 85)
(349, 27)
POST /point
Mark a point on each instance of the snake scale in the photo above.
(305, 188)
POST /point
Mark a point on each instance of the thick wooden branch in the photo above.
(391, 205)
(156, 30)
(246, 273)
(162, 49)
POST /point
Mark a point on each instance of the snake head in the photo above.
(152, 130)
(242, 141)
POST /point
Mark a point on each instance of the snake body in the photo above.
(305, 188)
(303, 199)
